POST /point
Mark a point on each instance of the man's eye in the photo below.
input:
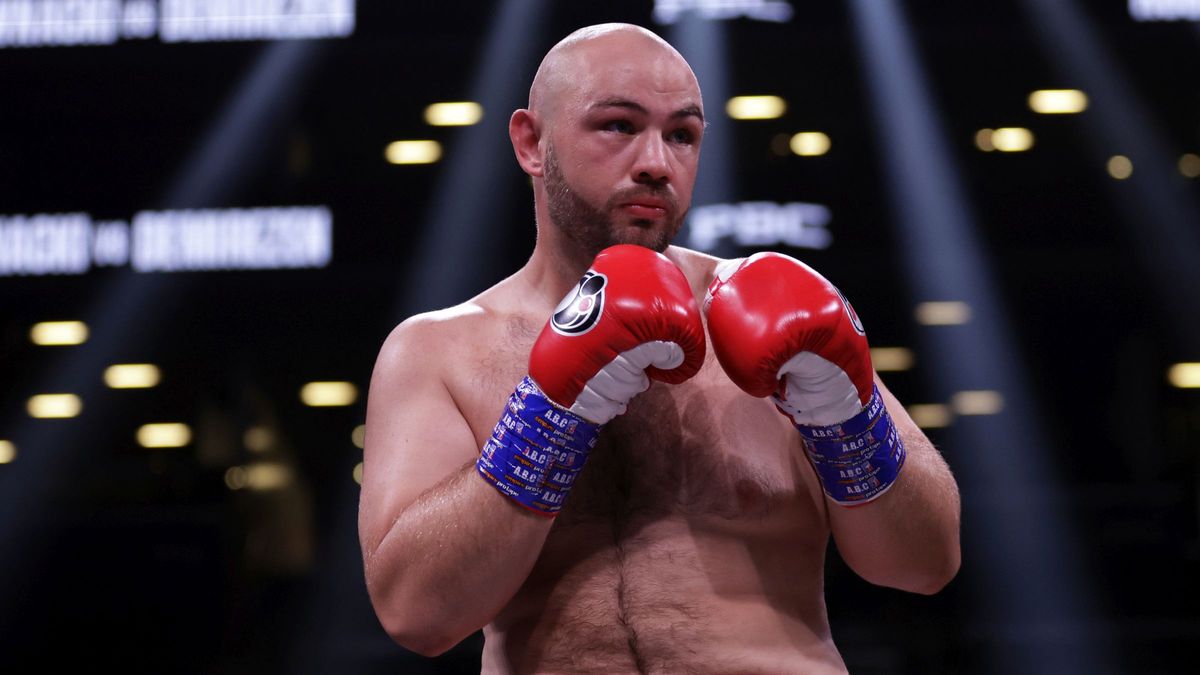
(682, 136)
(619, 126)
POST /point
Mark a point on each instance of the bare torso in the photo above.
(693, 542)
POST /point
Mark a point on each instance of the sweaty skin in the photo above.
(695, 538)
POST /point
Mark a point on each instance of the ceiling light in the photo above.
(59, 333)
(54, 406)
(978, 402)
(1058, 101)
(930, 415)
(1184, 375)
(1012, 139)
(946, 313)
(132, 376)
(809, 143)
(891, 358)
(983, 140)
(413, 152)
(755, 107)
(1119, 167)
(453, 114)
(1189, 165)
(327, 394)
(164, 435)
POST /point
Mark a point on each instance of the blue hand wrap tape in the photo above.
(536, 450)
(859, 459)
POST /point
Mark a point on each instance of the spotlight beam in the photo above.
(704, 44)
(1032, 582)
(456, 256)
(118, 317)
(1163, 215)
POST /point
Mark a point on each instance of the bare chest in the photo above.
(701, 448)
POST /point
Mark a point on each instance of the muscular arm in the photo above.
(443, 551)
(908, 538)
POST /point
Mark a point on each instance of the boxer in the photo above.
(588, 462)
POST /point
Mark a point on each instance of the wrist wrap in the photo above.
(536, 450)
(859, 459)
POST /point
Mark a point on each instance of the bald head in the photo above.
(571, 66)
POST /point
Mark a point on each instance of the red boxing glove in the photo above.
(631, 318)
(778, 327)
(781, 329)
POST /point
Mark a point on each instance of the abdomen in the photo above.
(669, 597)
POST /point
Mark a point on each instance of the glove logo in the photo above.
(580, 310)
(853, 315)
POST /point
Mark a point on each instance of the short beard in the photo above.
(592, 229)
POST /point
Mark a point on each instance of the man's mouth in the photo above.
(646, 208)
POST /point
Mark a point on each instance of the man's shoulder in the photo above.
(430, 337)
(442, 327)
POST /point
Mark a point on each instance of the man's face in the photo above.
(621, 159)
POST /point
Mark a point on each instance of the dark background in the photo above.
(115, 555)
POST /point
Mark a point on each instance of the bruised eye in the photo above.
(684, 136)
(619, 126)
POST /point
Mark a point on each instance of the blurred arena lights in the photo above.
(1004, 139)
(1012, 139)
(58, 333)
(328, 394)
(1163, 220)
(809, 143)
(943, 313)
(930, 415)
(1184, 375)
(453, 114)
(1058, 101)
(478, 179)
(132, 376)
(359, 436)
(1119, 167)
(413, 152)
(1189, 165)
(983, 140)
(979, 402)
(260, 476)
(1021, 559)
(259, 439)
(164, 435)
(481, 156)
(765, 107)
(357, 473)
(211, 174)
(892, 359)
(8, 452)
(54, 406)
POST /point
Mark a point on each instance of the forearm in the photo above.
(908, 538)
(451, 561)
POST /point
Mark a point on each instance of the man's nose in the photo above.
(653, 162)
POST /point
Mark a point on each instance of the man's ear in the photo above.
(525, 133)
